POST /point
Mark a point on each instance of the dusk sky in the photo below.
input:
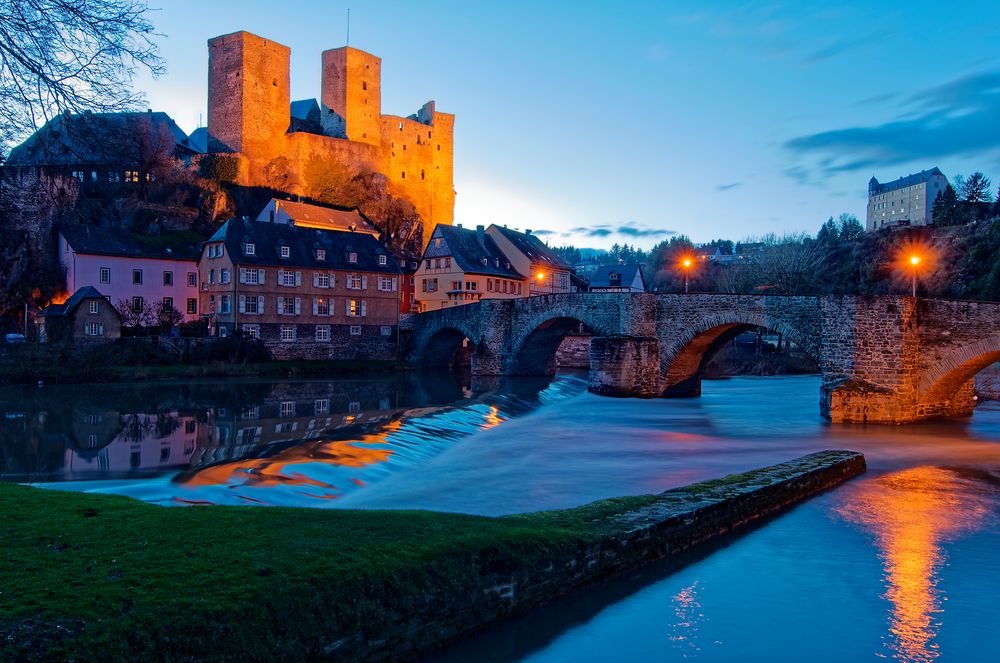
(628, 122)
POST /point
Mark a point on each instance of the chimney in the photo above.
(480, 230)
(528, 231)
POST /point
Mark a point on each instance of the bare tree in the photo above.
(135, 316)
(71, 56)
(791, 265)
(167, 317)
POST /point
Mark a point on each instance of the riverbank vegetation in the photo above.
(104, 577)
(132, 359)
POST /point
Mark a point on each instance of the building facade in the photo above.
(124, 270)
(304, 292)
(250, 115)
(86, 315)
(462, 266)
(617, 278)
(547, 273)
(907, 201)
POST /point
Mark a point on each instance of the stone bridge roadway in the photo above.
(883, 359)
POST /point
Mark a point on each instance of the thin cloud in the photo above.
(728, 187)
(956, 118)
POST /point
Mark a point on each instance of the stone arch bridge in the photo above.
(884, 359)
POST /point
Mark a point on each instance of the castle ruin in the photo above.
(251, 116)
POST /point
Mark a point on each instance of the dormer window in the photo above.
(486, 261)
(352, 257)
(320, 254)
(285, 251)
(249, 249)
(382, 260)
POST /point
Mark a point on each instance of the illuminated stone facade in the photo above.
(249, 116)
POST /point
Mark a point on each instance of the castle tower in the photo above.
(352, 95)
(248, 94)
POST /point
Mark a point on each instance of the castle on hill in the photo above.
(251, 116)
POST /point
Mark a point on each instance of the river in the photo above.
(901, 563)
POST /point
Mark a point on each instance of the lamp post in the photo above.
(541, 279)
(686, 266)
(914, 265)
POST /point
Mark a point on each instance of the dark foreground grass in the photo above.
(103, 577)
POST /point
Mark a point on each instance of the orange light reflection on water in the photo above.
(911, 513)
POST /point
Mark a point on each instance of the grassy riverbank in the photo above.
(88, 577)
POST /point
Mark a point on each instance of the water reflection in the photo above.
(912, 513)
(239, 441)
(688, 617)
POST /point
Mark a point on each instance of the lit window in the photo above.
(357, 308)
(321, 307)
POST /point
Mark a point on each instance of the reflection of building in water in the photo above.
(911, 513)
(144, 443)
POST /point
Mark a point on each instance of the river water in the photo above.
(902, 563)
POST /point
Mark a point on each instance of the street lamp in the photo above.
(686, 266)
(914, 266)
(541, 279)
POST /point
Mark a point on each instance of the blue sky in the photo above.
(627, 122)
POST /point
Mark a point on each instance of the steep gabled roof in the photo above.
(470, 249)
(267, 239)
(77, 298)
(99, 139)
(532, 247)
(326, 218)
(98, 241)
(602, 277)
(903, 182)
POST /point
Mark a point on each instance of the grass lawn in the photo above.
(102, 577)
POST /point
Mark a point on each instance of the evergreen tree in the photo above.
(945, 211)
(976, 189)
(850, 228)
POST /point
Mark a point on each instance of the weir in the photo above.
(884, 359)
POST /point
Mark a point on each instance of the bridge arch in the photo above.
(685, 353)
(438, 345)
(533, 352)
(945, 387)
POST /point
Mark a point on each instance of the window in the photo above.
(137, 277)
(321, 306)
(251, 276)
(289, 278)
(322, 281)
(489, 285)
(168, 278)
(355, 282)
(352, 257)
(357, 308)
(105, 275)
(447, 263)
(428, 264)
(168, 303)
(288, 306)
(354, 406)
(386, 330)
(321, 406)
(225, 304)
(137, 304)
(364, 85)
(322, 333)
(251, 331)
(386, 284)
(456, 285)
(192, 306)
(285, 251)
(215, 251)
(95, 307)
(253, 305)
(404, 172)
(224, 276)
(382, 260)
(287, 409)
(249, 249)
(320, 254)
(355, 330)
(287, 333)
(93, 329)
(131, 176)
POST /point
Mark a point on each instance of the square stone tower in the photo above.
(248, 94)
(352, 95)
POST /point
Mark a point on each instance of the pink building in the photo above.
(122, 268)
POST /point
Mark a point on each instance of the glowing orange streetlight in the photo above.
(914, 261)
(686, 264)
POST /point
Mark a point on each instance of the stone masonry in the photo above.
(884, 359)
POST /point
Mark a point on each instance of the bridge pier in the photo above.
(625, 366)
